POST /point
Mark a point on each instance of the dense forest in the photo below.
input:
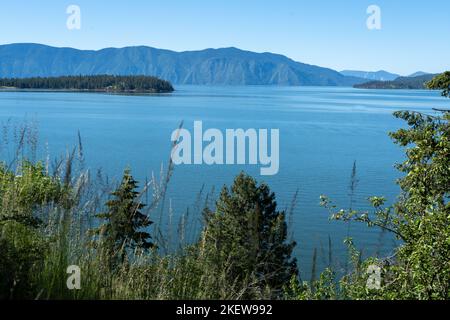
(108, 83)
(55, 224)
(399, 83)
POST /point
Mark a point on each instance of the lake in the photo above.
(323, 130)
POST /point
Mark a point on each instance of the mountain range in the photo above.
(380, 75)
(369, 75)
(418, 74)
(226, 66)
(416, 82)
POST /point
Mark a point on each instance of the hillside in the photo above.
(399, 83)
(227, 66)
(418, 73)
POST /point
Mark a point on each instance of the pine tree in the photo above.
(125, 222)
(247, 237)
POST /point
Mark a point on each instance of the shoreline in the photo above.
(126, 92)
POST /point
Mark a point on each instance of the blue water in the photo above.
(322, 132)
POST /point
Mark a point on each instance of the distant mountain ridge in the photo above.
(399, 83)
(418, 73)
(227, 66)
(371, 75)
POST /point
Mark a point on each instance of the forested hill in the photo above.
(226, 66)
(106, 83)
(399, 83)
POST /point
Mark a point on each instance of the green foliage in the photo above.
(22, 251)
(420, 218)
(424, 208)
(26, 190)
(22, 245)
(441, 82)
(247, 237)
(325, 288)
(125, 223)
(95, 83)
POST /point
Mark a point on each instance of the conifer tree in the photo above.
(247, 237)
(125, 223)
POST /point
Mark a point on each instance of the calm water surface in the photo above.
(322, 132)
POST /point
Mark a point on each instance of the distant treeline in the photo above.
(91, 83)
(399, 83)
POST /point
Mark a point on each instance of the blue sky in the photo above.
(415, 35)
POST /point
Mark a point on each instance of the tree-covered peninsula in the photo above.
(96, 83)
(410, 83)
